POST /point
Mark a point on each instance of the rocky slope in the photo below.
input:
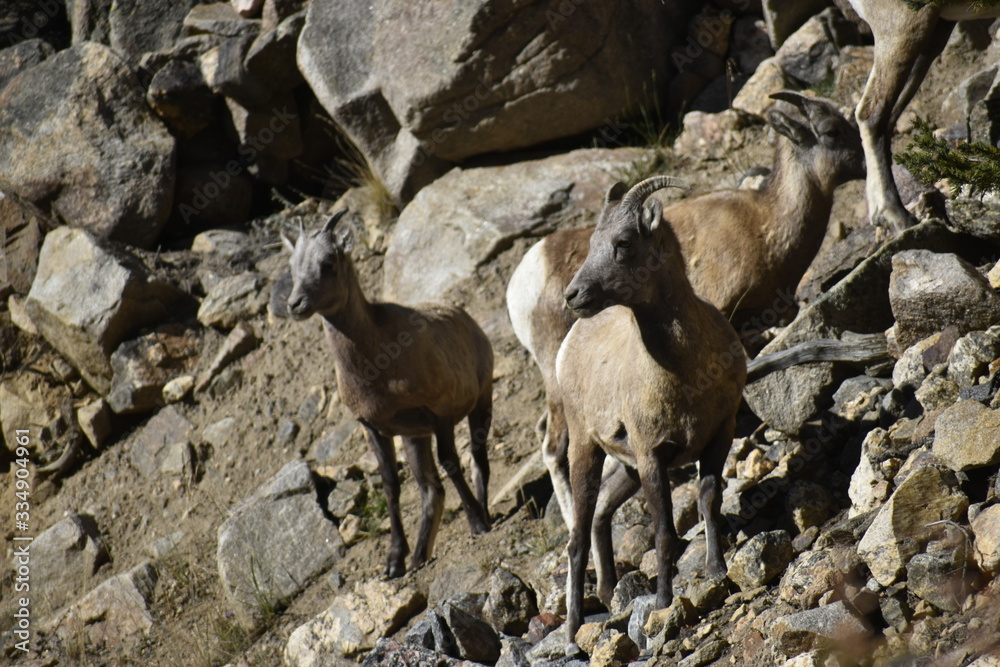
(196, 492)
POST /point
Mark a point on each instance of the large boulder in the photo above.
(108, 166)
(88, 297)
(419, 86)
(930, 291)
(140, 26)
(467, 217)
(903, 526)
(275, 543)
(968, 436)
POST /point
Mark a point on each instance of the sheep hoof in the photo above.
(572, 650)
(394, 570)
(717, 570)
(479, 522)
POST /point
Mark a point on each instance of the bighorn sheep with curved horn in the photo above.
(744, 249)
(628, 370)
(412, 372)
(909, 35)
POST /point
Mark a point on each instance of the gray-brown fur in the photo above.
(653, 376)
(742, 248)
(411, 372)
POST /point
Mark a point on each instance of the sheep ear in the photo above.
(287, 242)
(652, 216)
(615, 192)
(344, 238)
(793, 129)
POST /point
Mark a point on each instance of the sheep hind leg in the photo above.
(480, 420)
(554, 453)
(385, 453)
(618, 485)
(421, 460)
(479, 522)
(710, 466)
(897, 47)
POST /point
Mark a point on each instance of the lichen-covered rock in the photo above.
(814, 573)
(275, 543)
(968, 436)
(930, 291)
(615, 650)
(761, 559)
(511, 603)
(971, 356)
(900, 529)
(353, 623)
(107, 167)
(818, 628)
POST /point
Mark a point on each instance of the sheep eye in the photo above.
(624, 244)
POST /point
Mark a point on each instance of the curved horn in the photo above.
(331, 224)
(797, 99)
(635, 197)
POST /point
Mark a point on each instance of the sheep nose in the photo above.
(570, 295)
(296, 303)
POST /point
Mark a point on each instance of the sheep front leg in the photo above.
(710, 465)
(479, 523)
(656, 485)
(421, 460)
(618, 485)
(385, 453)
(480, 420)
(585, 474)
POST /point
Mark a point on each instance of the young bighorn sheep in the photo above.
(743, 248)
(907, 41)
(629, 370)
(412, 372)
